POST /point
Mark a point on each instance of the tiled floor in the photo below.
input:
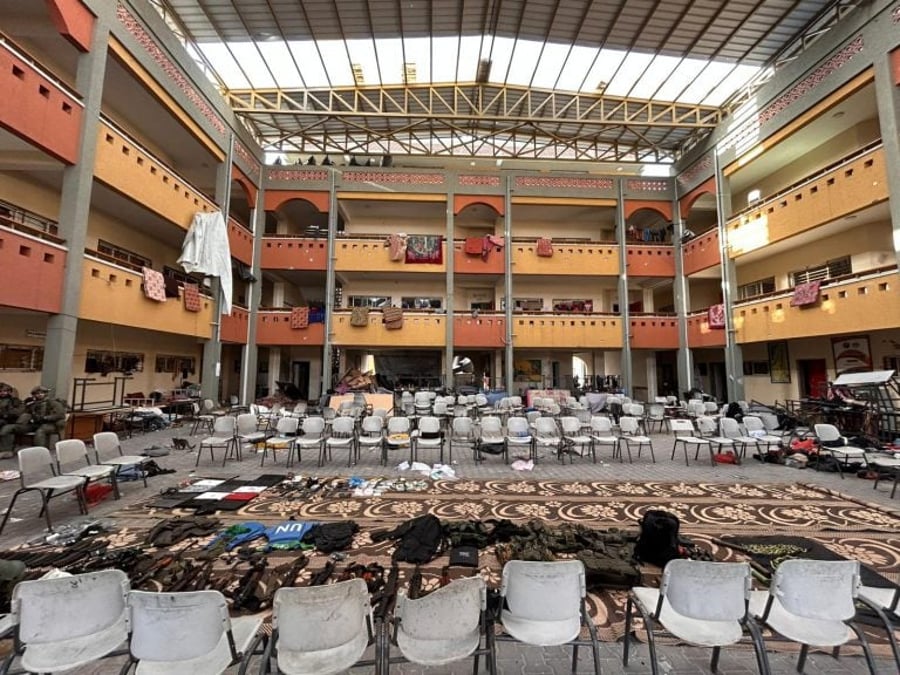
(512, 658)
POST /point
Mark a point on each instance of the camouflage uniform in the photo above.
(11, 407)
(44, 416)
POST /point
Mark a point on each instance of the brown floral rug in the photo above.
(709, 514)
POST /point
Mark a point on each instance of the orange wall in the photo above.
(701, 335)
(566, 332)
(233, 328)
(837, 193)
(702, 252)
(371, 255)
(31, 272)
(289, 253)
(113, 295)
(475, 264)
(240, 242)
(652, 332)
(485, 331)
(419, 330)
(36, 110)
(567, 259)
(273, 327)
(651, 261)
(128, 168)
(861, 305)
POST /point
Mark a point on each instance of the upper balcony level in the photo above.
(653, 331)
(551, 331)
(700, 334)
(492, 260)
(273, 327)
(36, 108)
(371, 254)
(569, 258)
(32, 267)
(701, 252)
(861, 302)
(650, 261)
(240, 242)
(281, 252)
(854, 183)
(420, 329)
(233, 327)
(111, 293)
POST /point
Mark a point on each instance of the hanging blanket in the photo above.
(154, 285)
(316, 315)
(359, 317)
(397, 245)
(545, 247)
(192, 297)
(716, 316)
(475, 245)
(806, 294)
(425, 249)
(392, 318)
(299, 317)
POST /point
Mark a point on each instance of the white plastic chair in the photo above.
(342, 437)
(545, 606)
(729, 428)
(223, 437)
(284, 439)
(684, 434)
(885, 602)
(313, 437)
(186, 632)
(444, 626)
(71, 621)
(813, 602)
(574, 441)
(248, 432)
(397, 436)
(701, 603)
(429, 435)
(371, 433)
(656, 415)
(319, 630)
(37, 474)
(108, 451)
(754, 427)
(629, 428)
(518, 435)
(72, 460)
(490, 432)
(842, 454)
(462, 432)
(709, 430)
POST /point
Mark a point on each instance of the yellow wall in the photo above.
(705, 292)
(867, 244)
(395, 290)
(549, 289)
(31, 196)
(566, 229)
(115, 231)
(385, 226)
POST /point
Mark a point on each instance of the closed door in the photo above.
(813, 378)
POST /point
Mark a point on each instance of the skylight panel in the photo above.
(680, 79)
(468, 59)
(602, 70)
(738, 78)
(444, 64)
(362, 53)
(252, 64)
(334, 55)
(629, 71)
(306, 54)
(279, 58)
(657, 71)
(551, 63)
(525, 54)
(575, 68)
(225, 65)
(705, 81)
(390, 58)
(418, 51)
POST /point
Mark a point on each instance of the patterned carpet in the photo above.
(709, 512)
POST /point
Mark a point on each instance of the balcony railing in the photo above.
(31, 272)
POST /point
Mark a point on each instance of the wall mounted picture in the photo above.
(852, 354)
(779, 363)
(528, 370)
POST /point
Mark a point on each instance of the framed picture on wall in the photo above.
(528, 370)
(852, 354)
(779, 363)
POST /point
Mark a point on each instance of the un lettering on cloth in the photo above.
(716, 316)
(206, 250)
(806, 294)
(154, 285)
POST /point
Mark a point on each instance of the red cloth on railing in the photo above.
(474, 245)
(806, 294)
(154, 285)
(545, 247)
(299, 317)
(192, 297)
(716, 316)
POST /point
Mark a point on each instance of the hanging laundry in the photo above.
(545, 247)
(192, 297)
(396, 244)
(475, 245)
(154, 285)
(317, 315)
(299, 317)
(392, 317)
(716, 316)
(425, 249)
(359, 317)
(806, 294)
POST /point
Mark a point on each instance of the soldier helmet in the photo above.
(39, 390)
(5, 387)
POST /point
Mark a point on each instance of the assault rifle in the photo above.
(384, 601)
(320, 577)
(245, 594)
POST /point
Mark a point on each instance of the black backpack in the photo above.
(421, 539)
(658, 540)
(330, 537)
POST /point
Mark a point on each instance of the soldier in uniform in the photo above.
(43, 415)
(11, 407)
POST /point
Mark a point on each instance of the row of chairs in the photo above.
(316, 630)
(71, 468)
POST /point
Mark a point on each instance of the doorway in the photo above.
(300, 378)
(813, 378)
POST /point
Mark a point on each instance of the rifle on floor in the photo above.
(320, 577)
(246, 589)
(385, 600)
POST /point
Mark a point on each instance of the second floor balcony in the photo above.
(31, 270)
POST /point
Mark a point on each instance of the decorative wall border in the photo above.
(564, 182)
(701, 166)
(297, 175)
(812, 81)
(247, 157)
(133, 26)
(406, 178)
(646, 185)
(489, 181)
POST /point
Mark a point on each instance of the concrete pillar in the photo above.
(734, 362)
(330, 282)
(249, 363)
(626, 371)
(449, 301)
(682, 295)
(508, 281)
(887, 96)
(74, 210)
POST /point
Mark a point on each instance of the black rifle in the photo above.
(245, 593)
(385, 600)
(415, 585)
(320, 577)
